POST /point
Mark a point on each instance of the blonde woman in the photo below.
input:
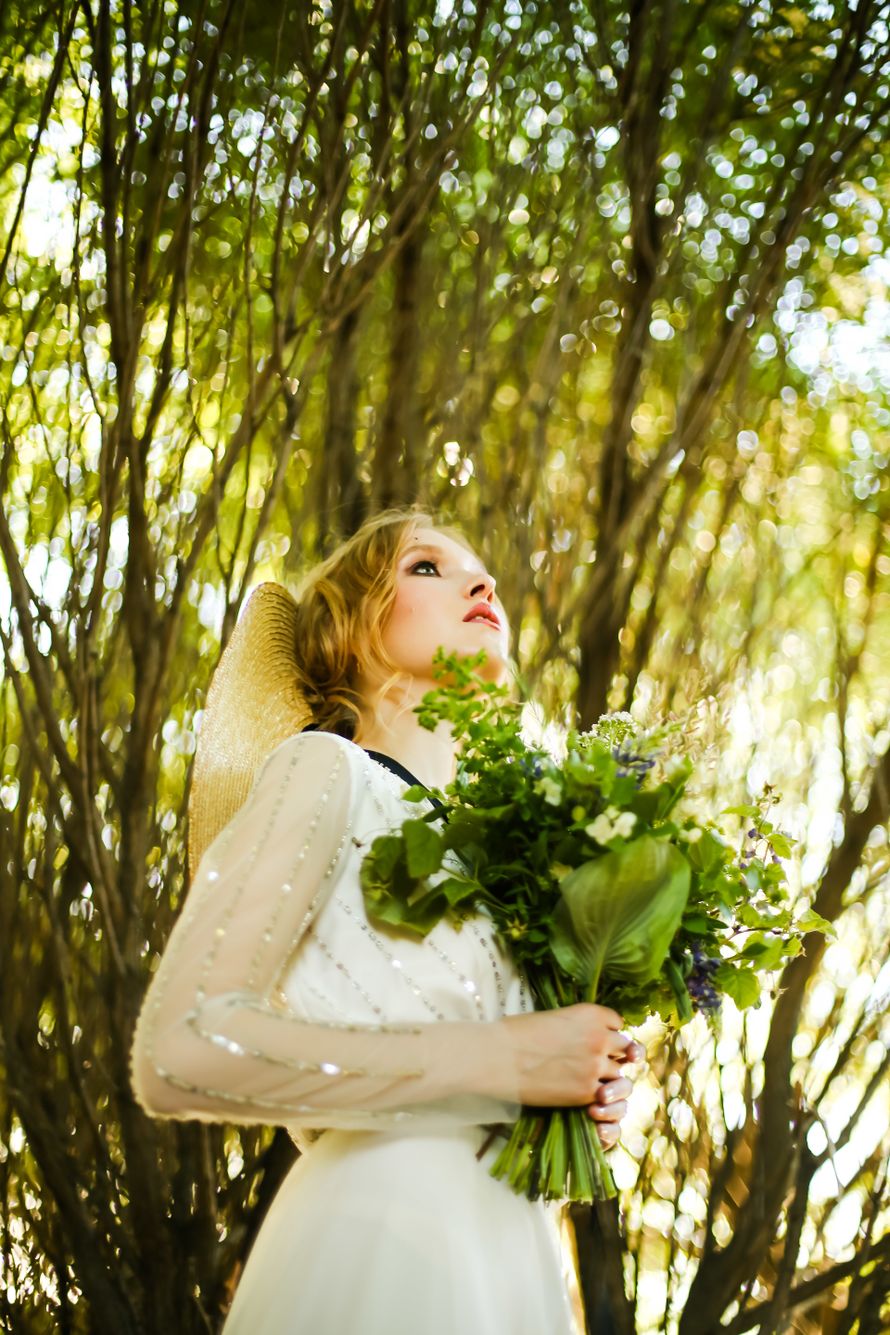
(276, 1002)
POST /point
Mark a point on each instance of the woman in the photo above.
(276, 1002)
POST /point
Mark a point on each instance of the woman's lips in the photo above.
(483, 612)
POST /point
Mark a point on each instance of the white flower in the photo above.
(600, 829)
(692, 836)
(611, 823)
(551, 790)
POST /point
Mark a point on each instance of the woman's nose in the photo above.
(482, 586)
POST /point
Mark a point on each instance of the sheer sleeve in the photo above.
(212, 1042)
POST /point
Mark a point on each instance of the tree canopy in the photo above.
(604, 283)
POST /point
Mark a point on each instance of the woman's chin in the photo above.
(494, 669)
(495, 666)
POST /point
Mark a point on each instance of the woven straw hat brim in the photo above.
(253, 705)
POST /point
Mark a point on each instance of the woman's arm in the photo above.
(212, 1042)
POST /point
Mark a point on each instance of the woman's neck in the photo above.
(393, 730)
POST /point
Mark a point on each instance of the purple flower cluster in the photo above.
(632, 763)
(702, 992)
(532, 765)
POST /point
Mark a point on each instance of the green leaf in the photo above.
(418, 792)
(810, 921)
(707, 854)
(767, 952)
(418, 919)
(424, 848)
(698, 923)
(749, 916)
(620, 912)
(742, 985)
(781, 843)
(568, 954)
(456, 890)
(380, 863)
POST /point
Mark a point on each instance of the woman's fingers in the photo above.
(608, 1112)
(609, 1134)
(625, 1049)
(610, 1101)
(609, 1107)
(614, 1091)
(610, 1070)
(619, 1044)
(634, 1052)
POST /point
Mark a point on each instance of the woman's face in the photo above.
(444, 597)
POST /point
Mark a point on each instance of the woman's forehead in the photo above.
(431, 540)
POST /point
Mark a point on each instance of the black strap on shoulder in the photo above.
(394, 767)
(400, 772)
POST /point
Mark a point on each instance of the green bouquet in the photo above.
(600, 889)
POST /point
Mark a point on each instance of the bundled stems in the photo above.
(555, 1154)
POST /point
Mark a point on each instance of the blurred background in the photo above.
(605, 284)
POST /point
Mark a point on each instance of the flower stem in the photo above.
(555, 1154)
(680, 991)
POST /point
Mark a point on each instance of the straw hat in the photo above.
(253, 704)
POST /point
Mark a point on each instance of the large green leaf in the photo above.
(620, 912)
(424, 848)
(417, 918)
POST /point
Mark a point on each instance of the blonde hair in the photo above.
(343, 606)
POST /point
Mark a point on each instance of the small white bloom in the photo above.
(551, 790)
(692, 836)
(625, 823)
(601, 829)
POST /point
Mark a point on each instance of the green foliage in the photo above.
(582, 862)
(612, 273)
(590, 884)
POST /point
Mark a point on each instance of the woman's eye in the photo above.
(426, 562)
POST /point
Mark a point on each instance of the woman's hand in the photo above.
(573, 1057)
(610, 1104)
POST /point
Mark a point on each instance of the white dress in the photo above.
(277, 1002)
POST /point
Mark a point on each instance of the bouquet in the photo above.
(603, 887)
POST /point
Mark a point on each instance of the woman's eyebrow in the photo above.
(422, 547)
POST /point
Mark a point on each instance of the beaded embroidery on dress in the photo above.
(277, 1002)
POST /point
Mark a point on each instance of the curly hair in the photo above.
(343, 606)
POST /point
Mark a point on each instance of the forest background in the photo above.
(606, 284)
